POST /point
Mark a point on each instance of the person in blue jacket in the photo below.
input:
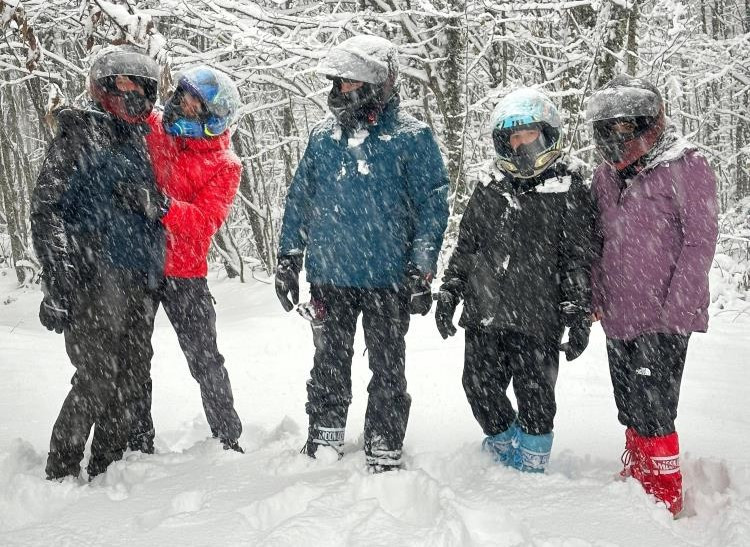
(367, 208)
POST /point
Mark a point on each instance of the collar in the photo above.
(221, 142)
(553, 180)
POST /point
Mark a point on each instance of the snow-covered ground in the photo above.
(194, 493)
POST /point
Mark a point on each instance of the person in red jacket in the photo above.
(198, 174)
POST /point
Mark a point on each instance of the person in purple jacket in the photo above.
(657, 218)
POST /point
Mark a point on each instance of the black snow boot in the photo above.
(61, 465)
(143, 442)
(376, 468)
(232, 444)
(97, 466)
(328, 437)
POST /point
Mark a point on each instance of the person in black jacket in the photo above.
(101, 256)
(522, 268)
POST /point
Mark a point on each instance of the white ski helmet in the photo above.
(368, 59)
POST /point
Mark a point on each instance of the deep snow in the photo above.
(194, 493)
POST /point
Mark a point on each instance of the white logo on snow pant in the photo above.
(329, 435)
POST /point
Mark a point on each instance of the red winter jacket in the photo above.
(201, 176)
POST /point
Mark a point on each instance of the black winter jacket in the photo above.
(77, 222)
(524, 250)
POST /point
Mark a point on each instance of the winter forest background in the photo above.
(458, 57)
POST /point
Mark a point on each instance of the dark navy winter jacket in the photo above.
(76, 217)
(363, 207)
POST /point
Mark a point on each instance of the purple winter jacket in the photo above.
(659, 236)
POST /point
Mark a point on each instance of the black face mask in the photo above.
(136, 104)
(524, 157)
(133, 103)
(354, 108)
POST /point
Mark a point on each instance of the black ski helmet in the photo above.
(369, 59)
(626, 99)
(127, 61)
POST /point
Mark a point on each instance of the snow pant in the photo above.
(385, 320)
(495, 357)
(108, 342)
(190, 308)
(646, 375)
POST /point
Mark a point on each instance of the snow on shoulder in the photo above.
(408, 124)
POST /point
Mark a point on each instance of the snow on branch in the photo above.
(12, 13)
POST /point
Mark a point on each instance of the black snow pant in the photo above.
(108, 342)
(385, 320)
(495, 357)
(646, 375)
(190, 308)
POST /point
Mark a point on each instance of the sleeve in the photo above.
(428, 189)
(597, 300)
(47, 225)
(202, 217)
(464, 256)
(578, 246)
(698, 209)
(299, 199)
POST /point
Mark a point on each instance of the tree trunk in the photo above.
(254, 214)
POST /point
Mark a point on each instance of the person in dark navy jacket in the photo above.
(367, 208)
(100, 258)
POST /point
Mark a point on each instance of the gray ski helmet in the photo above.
(124, 61)
(624, 96)
(369, 59)
(626, 99)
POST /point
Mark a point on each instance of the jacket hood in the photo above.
(670, 147)
(90, 119)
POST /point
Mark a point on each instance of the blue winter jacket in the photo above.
(364, 207)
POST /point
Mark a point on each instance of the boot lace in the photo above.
(628, 460)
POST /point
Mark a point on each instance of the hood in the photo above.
(670, 147)
(90, 120)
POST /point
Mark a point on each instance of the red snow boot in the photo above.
(631, 466)
(660, 469)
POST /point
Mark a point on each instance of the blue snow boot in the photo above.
(500, 446)
(531, 452)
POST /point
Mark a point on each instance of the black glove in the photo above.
(446, 307)
(287, 280)
(53, 314)
(420, 295)
(578, 339)
(138, 199)
(54, 309)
